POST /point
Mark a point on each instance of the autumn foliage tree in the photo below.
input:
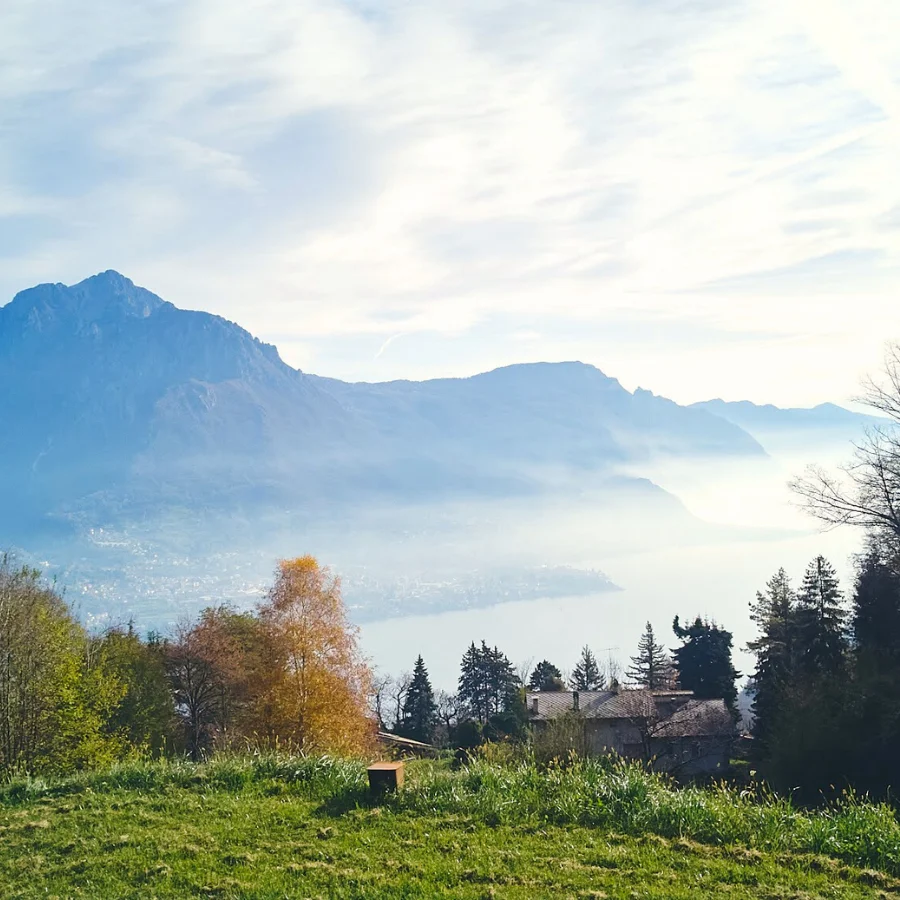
(318, 696)
(219, 668)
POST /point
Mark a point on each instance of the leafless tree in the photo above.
(866, 491)
(665, 747)
(448, 710)
(379, 698)
(612, 671)
(523, 670)
(196, 687)
(396, 696)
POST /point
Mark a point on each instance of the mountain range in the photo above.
(116, 397)
(156, 457)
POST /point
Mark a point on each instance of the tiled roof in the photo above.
(551, 704)
(696, 718)
(680, 714)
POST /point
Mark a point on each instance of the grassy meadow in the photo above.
(282, 826)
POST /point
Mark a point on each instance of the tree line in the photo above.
(826, 688)
(827, 682)
(489, 703)
(288, 674)
(825, 685)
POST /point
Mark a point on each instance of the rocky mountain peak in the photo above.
(106, 297)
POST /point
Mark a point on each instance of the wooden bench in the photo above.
(385, 776)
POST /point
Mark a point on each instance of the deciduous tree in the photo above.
(56, 695)
(320, 696)
(866, 491)
(145, 717)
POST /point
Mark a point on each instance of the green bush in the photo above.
(559, 741)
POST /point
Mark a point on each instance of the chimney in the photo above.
(575, 701)
(534, 709)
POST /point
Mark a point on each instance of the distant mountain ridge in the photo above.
(765, 419)
(157, 460)
(122, 398)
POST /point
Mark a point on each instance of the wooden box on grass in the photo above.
(385, 776)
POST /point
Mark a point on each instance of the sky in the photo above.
(700, 198)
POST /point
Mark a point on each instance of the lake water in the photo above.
(717, 579)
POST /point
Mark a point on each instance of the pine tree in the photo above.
(546, 677)
(487, 683)
(871, 713)
(587, 675)
(651, 668)
(419, 716)
(773, 612)
(703, 661)
(472, 688)
(876, 603)
(820, 621)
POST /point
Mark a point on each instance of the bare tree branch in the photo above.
(866, 491)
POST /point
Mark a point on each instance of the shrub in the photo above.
(560, 740)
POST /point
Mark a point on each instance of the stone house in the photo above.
(673, 730)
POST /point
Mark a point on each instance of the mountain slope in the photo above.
(122, 397)
(111, 381)
(543, 413)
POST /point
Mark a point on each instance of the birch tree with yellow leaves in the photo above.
(318, 697)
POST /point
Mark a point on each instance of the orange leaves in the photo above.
(290, 675)
(319, 696)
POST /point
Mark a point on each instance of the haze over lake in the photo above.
(749, 527)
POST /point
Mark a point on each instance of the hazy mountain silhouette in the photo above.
(764, 421)
(119, 398)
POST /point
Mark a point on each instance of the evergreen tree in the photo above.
(703, 661)
(651, 668)
(419, 716)
(876, 603)
(773, 613)
(586, 675)
(546, 677)
(472, 688)
(820, 621)
(872, 716)
(487, 683)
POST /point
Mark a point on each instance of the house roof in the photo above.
(696, 718)
(385, 737)
(678, 713)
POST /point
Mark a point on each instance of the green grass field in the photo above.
(280, 827)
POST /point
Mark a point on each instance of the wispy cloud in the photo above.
(337, 173)
(387, 344)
